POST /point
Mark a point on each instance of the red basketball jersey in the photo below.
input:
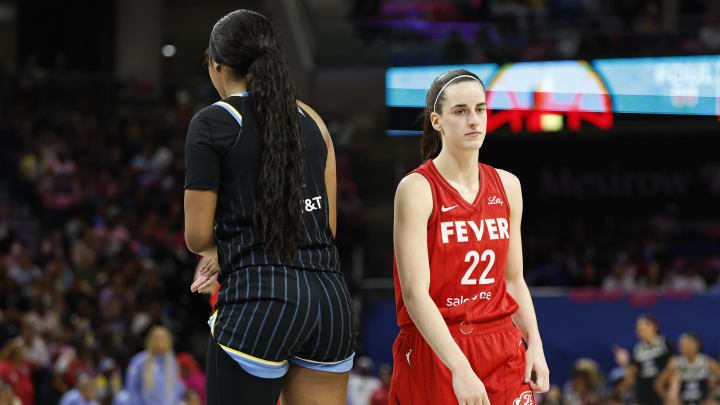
(467, 248)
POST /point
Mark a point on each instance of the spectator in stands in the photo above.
(192, 375)
(381, 396)
(621, 278)
(7, 396)
(455, 50)
(686, 277)
(587, 386)
(616, 377)
(83, 394)
(108, 381)
(709, 33)
(15, 369)
(362, 383)
(553, 396)
(153, 375)
(653, 276)
(36, 351)
(192, 398)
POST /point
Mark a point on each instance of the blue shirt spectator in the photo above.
(75, 397)
(152, 375)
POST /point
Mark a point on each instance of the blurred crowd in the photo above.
(650, 253)
(92, 253)
(477, 31)
(366, 387)
(651, 372)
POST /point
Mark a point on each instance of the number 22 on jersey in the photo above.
(474, 258)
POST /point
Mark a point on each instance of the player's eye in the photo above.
(480, 109)
(460, 112)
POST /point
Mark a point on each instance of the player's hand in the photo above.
(206, 275)
(535, 361)
(622, 356)
(469, 390)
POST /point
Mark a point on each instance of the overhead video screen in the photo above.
(546, 96)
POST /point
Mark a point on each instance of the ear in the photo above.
(435, 121)
(215, 66)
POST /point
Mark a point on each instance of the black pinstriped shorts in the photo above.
(269, 315)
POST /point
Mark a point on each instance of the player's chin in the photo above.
(473, 143)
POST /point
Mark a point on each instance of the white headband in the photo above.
(446, 84)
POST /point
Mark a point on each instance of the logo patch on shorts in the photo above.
(526, 398)
(407, 356)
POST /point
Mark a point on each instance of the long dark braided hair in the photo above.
(248, 43)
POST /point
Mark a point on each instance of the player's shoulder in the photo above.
(212, 110)
(412, 186)
(213, 120)
(414, 198)
(315, 117)
(308, 109)
(510, 182)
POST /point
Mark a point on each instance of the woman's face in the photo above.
(160, 341)
(645, 330)
(688, 346)
(463, 118)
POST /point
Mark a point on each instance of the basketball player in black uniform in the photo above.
(686, 380)
(260, 195)
(649, 357)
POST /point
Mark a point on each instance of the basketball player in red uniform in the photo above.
(458, 270)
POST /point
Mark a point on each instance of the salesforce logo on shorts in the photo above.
(453, 302)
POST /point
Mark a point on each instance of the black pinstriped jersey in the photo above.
(223, 152)
(650, 360)
(693, 379)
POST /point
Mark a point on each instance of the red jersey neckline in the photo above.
(458, 196)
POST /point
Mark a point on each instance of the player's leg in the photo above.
(305, 386)
(320, 365)
(228, 383)
(503, 375)
(419, 377)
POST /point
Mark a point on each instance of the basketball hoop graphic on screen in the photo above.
(548, 96)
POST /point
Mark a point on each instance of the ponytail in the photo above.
(248, 43)
(278, 211)
(430, 140)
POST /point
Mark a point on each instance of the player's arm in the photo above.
(664, 379)
(202, 177)
(630, 377)
(715, 369)
(199, 220)
(413, 207)
(525, 317)
(330, 174)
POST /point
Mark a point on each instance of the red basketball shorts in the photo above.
(495, 350)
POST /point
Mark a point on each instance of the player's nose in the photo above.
(473, 119)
